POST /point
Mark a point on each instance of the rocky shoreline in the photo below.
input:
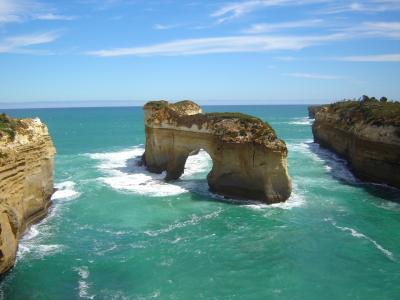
(26, 181)
(366, 134)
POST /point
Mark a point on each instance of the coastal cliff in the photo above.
(366, 133)
(312, 110)
(26, 180)
(249, 161)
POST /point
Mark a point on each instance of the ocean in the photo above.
(115, 231)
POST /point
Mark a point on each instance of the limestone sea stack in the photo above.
(26, 180)
(366, 133)
(249, 161)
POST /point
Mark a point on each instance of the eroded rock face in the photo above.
(26, 183)
(312, 110)
(249, 161)
(372, 148)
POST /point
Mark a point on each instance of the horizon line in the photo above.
(137, 103)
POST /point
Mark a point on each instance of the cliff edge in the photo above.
(26, 180)
(366, 133)
(249, 161)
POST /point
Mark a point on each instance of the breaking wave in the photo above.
(33, 242)
(332, 163)
(302, 121)
(125, 172)
(65, 190)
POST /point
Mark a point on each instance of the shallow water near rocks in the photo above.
(116, 231)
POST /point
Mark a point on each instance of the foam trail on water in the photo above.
(358, 234)
(84, 286)
(194, 220)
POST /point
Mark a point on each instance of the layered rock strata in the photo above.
(366, 134)
(249, 161)
(26, 181)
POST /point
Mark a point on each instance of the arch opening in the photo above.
(198, 165)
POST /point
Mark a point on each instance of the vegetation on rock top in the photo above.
(231, 126)
(158, 104)
(367, 110)
(8, 126)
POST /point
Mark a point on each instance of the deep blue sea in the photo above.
(116, 231)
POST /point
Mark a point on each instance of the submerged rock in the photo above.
(26, 180)
(249, 161)
(366, 133)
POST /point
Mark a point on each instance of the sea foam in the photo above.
(332, 163)
(302, 121)
(33, 241)
(65, 191)
(84, 286)
(124, 172)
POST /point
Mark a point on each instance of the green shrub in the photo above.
(8, 126)
(368, 110)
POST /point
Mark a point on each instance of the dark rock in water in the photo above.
(366, 133)
(249, 161)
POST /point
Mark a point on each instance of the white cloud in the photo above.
(389, 30)
(385, 29)
(237, 9)
(269, 27)
(19, 44)
(164, 26)
(229, 44)
(23, 10)
(372, 58)
(55, 17)
(366, 6)
(285, 58)
(313, 76)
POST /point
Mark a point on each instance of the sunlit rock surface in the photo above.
(249, 161)
(26, 180)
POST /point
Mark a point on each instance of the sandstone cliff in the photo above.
(249, 161)
(26, 180)
(366, 133)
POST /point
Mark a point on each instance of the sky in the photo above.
(214, 52)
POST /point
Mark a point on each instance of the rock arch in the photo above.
(248, 160)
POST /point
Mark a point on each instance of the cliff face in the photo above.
(366, 134)
(26, 182)
(249, 161)
(312, 110)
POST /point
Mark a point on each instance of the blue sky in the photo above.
(214, 52)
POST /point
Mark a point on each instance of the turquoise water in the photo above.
(118, 232)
